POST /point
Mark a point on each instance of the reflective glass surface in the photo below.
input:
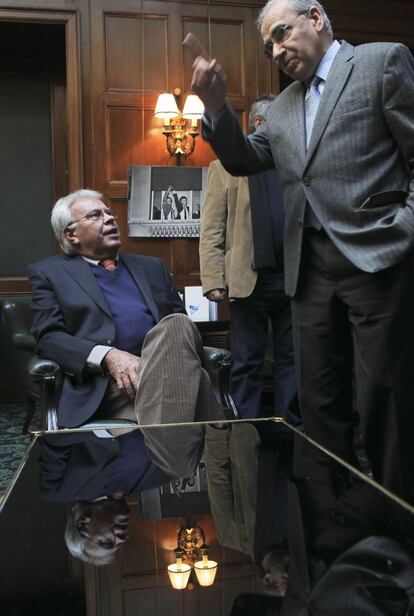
(285, 527)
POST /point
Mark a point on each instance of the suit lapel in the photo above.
(337, 78)
(80, 271)
(294, 119)
(298, 121)
(138, 274)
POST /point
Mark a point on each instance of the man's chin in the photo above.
(296, 71)
(113, 243)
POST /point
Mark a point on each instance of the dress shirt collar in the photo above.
(325, 64)
(97, 261)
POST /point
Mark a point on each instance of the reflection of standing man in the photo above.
(241, 251)
(342, 139)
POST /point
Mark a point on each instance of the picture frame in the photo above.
(165, 201)
(179, 498)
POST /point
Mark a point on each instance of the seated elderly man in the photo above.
(117, 327)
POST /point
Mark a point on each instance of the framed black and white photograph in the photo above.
(179, 498)
(165, 201)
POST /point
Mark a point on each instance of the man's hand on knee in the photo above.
(122, 367)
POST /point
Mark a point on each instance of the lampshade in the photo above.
(179, 573)
(193, 107)
(166, 106)
(205, 571)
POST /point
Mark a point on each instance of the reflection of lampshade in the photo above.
(166, 106)
(193, 107)
(205, 571)
(179, 573)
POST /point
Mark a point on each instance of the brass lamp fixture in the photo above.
(180, 140)
(191, 548)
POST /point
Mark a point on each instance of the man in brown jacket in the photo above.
(241, 253)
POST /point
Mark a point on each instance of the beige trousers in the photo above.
(172, 387)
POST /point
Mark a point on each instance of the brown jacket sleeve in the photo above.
(226, 234)
(213, 230)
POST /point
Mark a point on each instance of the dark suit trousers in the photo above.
(249, 330)
(351, 326)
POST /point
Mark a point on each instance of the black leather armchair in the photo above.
(44, 376)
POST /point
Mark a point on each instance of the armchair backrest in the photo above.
(18, 317)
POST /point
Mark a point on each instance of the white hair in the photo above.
(301, 7)
(75, 541)
(62, 216)
(259, 108)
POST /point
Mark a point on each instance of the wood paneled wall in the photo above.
(141, 55)
(137, 581)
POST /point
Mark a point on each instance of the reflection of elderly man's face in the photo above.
(275, 565)
(104, 525)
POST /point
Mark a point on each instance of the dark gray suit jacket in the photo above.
(358, 172)
(71, 316)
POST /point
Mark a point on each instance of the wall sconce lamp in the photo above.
(180, 141)
(188, 549)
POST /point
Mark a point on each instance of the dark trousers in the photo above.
(352, 326)
(249, 328)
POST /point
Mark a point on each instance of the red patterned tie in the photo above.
(108, 264)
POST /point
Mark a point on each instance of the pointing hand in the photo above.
(209, 80)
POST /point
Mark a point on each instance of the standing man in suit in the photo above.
(241, 252)
(115, 324)
(341, 137)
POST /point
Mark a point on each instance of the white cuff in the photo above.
(95, 357)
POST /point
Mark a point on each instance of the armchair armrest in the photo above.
(47, 376)
(216, 359)
(40, 369)
(18, 318)
(218, 362)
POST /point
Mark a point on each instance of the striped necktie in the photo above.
(108, 264)
(312, 98)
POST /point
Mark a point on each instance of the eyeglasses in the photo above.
(94, 216)
(280, 34)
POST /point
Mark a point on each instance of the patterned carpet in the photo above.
(13, 443)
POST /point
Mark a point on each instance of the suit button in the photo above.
(109, 342)
(299, 222)
(306, 180)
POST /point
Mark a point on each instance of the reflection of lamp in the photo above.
(205, 570)
(179, 572)
(188, 549)
(180, 142)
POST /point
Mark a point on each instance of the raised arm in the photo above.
(239, 154)
(209, 80)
